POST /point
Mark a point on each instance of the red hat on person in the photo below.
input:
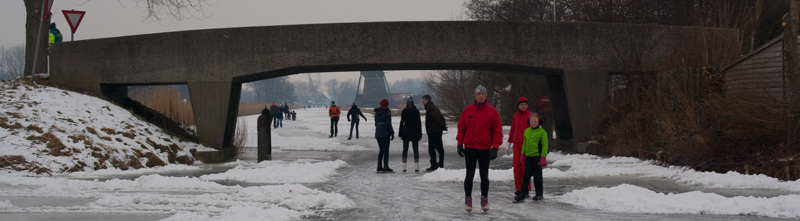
(384, 102)
(522, 99)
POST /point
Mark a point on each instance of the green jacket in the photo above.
(535, 142)
(55, 36)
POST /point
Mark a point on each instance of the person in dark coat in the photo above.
(410, 131)
(354, 112)
(286, 111)
(383, 133)
(275, 111)
(434, 126)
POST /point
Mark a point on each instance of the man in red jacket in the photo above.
(479, 136)
(517, 137)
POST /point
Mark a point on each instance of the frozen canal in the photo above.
(319, 178)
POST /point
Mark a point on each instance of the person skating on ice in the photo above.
(334, 113)
(354, 112)
(479, 137)
(410, 131)
(384, 133)
(516, 138)
(534, 157)
(434, 126)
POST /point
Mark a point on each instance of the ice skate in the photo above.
(468, 204)
(484, 203)
(404, 167)
(416, 167)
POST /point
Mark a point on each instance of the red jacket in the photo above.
(518, 126)
(479, 127)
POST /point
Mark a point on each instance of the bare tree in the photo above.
(342, 91)
(451, 90)
(155, 10)
(274, 90)
(12, 61)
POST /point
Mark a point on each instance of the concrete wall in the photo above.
(214, 62)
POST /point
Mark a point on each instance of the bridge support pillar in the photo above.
(215, 106)
(585, 92)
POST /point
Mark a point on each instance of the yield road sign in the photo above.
(73, 18)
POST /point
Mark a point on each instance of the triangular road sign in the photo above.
(73, 18)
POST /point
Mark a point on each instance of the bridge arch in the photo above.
(575, 57)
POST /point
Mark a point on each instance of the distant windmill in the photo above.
(375, 88)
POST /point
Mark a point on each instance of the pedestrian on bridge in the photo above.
(334, 113)
(479, 137)
(410, 131)
(384, 133)
(354, 112)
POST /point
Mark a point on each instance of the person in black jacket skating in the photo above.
(384, 133)
(410, 130)
(354, 112)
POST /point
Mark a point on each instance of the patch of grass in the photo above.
(59, 112)
(134, 162)
(129, 134)
(56, 147)
(108, 131)
(166, 100)
(77, 137)
(34, 127)
(118, 139)
(106, 138)
(91, 130)
(153, 160)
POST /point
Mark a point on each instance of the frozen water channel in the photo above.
(319, 178)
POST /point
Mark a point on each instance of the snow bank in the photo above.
(627, 198)
(60, 131)
(117, 172)
(299, 171)
(585, 165)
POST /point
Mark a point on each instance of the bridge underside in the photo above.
(575, 57)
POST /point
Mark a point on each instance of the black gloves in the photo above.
(461, 150)
(392, 138)
(493, 155)
(444, 128)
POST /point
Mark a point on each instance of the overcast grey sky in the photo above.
(110, 18)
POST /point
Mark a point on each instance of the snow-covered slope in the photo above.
(49, 130)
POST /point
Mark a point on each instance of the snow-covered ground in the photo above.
(57, 131)
(279, 189)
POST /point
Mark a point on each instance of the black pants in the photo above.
(415, 145)
(435, 145)
(481, 157)
(532, 168)
(383, 154)
(334, 125)
(353, 123)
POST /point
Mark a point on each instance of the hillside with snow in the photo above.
(46, 130)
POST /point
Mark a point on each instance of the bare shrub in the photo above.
(252, 108)
(240, 137)
(166, 100)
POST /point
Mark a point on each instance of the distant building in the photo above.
(764, 68)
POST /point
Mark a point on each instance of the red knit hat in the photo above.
(384, 102)
(522, 99)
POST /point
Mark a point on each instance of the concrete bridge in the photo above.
(576, 58)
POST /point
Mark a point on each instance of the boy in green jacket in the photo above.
(534, 153)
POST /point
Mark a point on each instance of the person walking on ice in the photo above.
(479, 137)
(534, 157)
(410, 131)
(354, 112)
(334, 113)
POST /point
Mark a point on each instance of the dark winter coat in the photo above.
(286, 109)
(410, 124)
(275, 110)
(354, 112)
(383, 122)
(434, 121)
(479, 127)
